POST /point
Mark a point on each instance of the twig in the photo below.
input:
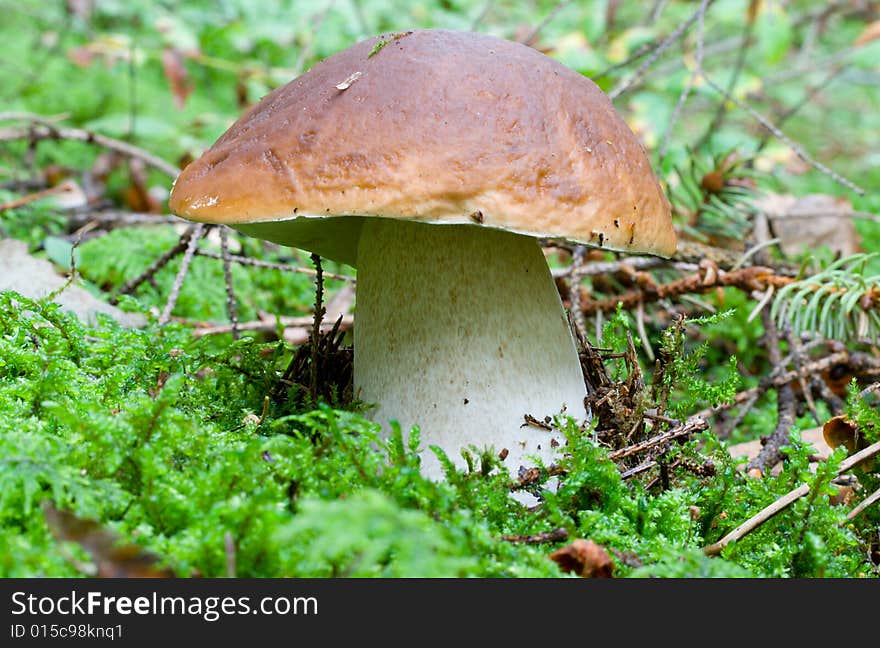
(124, 218)
(661, 47)
(775, 380)
(529, 38)
(268, 326)
(306, 51)
(798, 357)
(869, 389)
(751, 278)
(632, 472)
(574, 283)
(155, 266)
(778, 134)
(771, 453)
(688, 86)
(234, 258)
(316, 326)
(533, 476)
(556, 535)
(480, 17)
(656, 11)
(41, 128)
(231, 307)
(643, 333)
(609, 267)
(865, 503)
(785, 501)
(198, 230)
(811, 92)
(824, 214)
(692, 425)
(721, 109)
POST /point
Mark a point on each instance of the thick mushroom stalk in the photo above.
(460, 330)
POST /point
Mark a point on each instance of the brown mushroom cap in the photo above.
(433, 126)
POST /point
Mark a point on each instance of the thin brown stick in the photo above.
(309, 47)
(231, 306)
(155, 266)
(798, 358)
(688, 87)
(806, 99)
(609, 267)
(774, 380)
(556, 535)
(784, 502)
(256, 263)
(480, 17)
(721, 109)
(692, 425)
(771, 452)
(574, 287)
(42, 128)
(661, 47)
(785, 139)
(752, 278)
(316, 327)
(269, 326)
(122, 218)
(865, 503)
(188, 255)
(869, 389)
(529, 38)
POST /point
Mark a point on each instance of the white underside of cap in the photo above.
(460, 330)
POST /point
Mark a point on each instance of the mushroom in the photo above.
(433, 161)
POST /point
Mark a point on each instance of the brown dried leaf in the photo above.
(112, 558)
(584, 558)
(869, 33)
(137, 195)
(175, 73)
(811, 221)
(841, 431)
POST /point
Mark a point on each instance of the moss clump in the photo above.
(162, 439)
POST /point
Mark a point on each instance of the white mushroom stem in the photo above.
(460, 330)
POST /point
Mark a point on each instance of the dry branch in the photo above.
(156, 265)
(784, 502)
(270, 325)
(556, 535)
(689, 427)
(256, 263)
(197, 232)
(753, 278)
(771, 452)
(42, 128)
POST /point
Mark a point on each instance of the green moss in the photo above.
(157, 436)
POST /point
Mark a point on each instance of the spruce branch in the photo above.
(840, 302)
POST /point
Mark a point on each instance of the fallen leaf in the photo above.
(176, 75)
(584, 558)
(811, 221)
(869, 33)
(112, 557)
(841, 431)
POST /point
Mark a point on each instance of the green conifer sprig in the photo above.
(840, 302)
